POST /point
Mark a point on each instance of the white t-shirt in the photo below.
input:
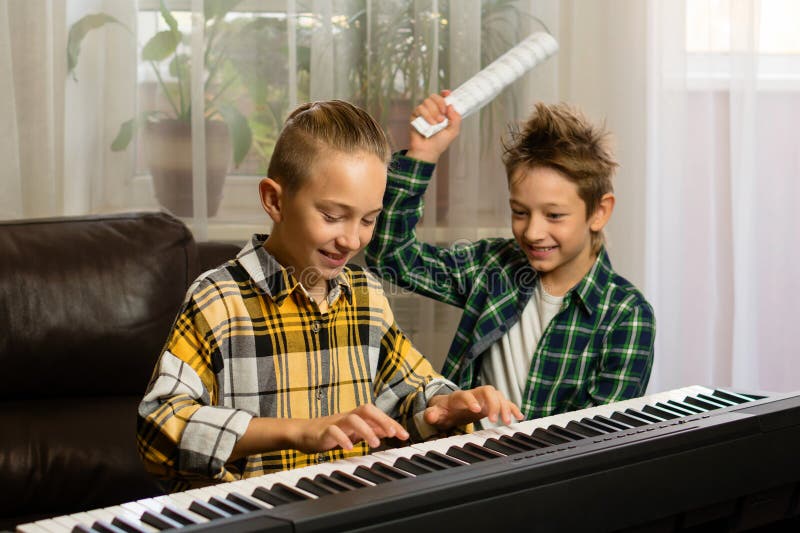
(509, 359)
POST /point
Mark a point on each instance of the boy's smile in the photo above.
(329, 219)
(549, 221)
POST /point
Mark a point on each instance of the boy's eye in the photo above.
(330, 217)
(518, 213)
(555, 216)
(368, 221)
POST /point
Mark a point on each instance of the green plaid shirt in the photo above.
(597, 349)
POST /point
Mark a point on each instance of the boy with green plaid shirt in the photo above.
(546, 320)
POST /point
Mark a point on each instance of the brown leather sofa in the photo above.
(85, 306)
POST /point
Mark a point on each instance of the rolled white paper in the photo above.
(481, 88)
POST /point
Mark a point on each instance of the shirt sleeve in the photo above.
(395, 253)
(183, 435)
(404, 381)
(627, 357)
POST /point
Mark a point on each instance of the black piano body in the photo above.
(728, 469)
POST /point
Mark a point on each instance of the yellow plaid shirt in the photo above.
(249, 342)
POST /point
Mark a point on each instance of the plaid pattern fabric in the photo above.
(249, 342)
(597, 349)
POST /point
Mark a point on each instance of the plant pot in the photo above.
(168, 151)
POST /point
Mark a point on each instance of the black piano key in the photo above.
(673, 408)
(582, 429)
(719, 401)
(315, 488)
(370, 475)
(628, 419)
(278, 494)
(389, 470)
(80, 528)
(534, 441)
(565, 433)
(547, 436)
(482, 450)
(599, 425)
(348, 479)
(701, 403)
(127, 524)
(331, 483)
(101, 526)
(733, 396)
(288, 493)
(503, 447)
(208, 510)
(464, 455)
(271, 498)
(655, 411)
(404, 463)
(177, 515)
(443, 458)
(513, 440)
(227, 506)
(644, 416)
(687, 407)
(613, 423)
(243, 501)
(427, 461)
(159, 521)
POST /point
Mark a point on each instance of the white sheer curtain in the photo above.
(709, 165)
(723, 238)
(32, 118)
(54, 130)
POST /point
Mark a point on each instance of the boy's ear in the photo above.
(602, 214)
(271, 194)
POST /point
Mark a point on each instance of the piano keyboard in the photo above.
(210, 507)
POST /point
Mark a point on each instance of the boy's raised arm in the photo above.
(394, 252)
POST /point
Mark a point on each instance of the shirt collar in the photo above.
(274, 280)
(589, 291)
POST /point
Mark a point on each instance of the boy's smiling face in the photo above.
(329, 219)
(550, 223)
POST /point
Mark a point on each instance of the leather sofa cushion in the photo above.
(86, 303)
(69, 455)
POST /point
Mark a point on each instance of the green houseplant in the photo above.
(166, 132)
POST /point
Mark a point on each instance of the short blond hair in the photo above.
(560, 137)
(316, 126)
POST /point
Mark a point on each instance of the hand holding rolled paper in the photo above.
(480, 89)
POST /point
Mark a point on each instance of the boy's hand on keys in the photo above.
(364, 423)
(434, 110)
(465, 406)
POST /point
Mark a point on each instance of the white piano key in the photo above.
(82, 518)
(68, 522)
(180, 501)
(34, 527)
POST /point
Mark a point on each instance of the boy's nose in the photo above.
(350, 239)
(534, 231)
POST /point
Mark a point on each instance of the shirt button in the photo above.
(315, 326)
(319, 394)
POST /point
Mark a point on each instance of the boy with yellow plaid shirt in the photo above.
(287, 356)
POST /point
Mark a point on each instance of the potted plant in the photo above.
(397, 72)
(166, 132)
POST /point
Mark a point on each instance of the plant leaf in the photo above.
(168, 18)
(241, 134)
(179, 66)
(124, 136)
(79, 30)
(218, 8)
(160, 46)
